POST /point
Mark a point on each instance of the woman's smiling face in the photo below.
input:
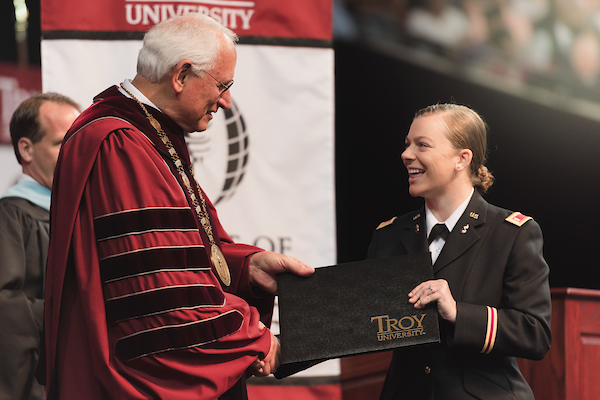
(430, 157)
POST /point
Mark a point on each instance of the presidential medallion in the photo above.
(218, 261)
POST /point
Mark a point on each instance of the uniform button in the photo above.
(427, 370)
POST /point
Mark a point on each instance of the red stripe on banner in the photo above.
(314, 392)
(305, 19)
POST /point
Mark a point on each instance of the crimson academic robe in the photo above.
(133, 308)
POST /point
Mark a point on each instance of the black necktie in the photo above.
(439, 230)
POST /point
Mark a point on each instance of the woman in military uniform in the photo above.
(491, 280)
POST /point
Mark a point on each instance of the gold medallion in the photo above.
(155, 124)
(218, 261)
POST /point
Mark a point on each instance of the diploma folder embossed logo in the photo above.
(405, 327)
(355, 308)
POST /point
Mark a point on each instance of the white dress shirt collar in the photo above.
(438, 244)
(431, 220)
(139, 95)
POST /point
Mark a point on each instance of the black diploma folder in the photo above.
(353, 308)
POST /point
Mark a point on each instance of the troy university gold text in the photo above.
(392, 328)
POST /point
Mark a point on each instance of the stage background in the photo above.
(543, 143)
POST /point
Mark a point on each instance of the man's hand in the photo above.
(264, 266)
(271, 362)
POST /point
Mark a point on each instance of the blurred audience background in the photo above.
(547, 44)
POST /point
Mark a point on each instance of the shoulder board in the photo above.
(386, 223)
(517, 218)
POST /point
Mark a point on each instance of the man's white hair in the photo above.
(193, 37)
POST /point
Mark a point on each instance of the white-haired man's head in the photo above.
(190, 36)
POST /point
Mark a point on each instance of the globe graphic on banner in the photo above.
(220, 154)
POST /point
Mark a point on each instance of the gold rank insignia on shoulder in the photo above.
(517, 218)
(416, 217)
(474, 215)
(386, 223)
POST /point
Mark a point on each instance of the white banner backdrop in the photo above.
(10, 168)
(267, 164)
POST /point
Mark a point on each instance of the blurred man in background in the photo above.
(37, 129)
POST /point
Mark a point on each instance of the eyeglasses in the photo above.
(223, 87)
